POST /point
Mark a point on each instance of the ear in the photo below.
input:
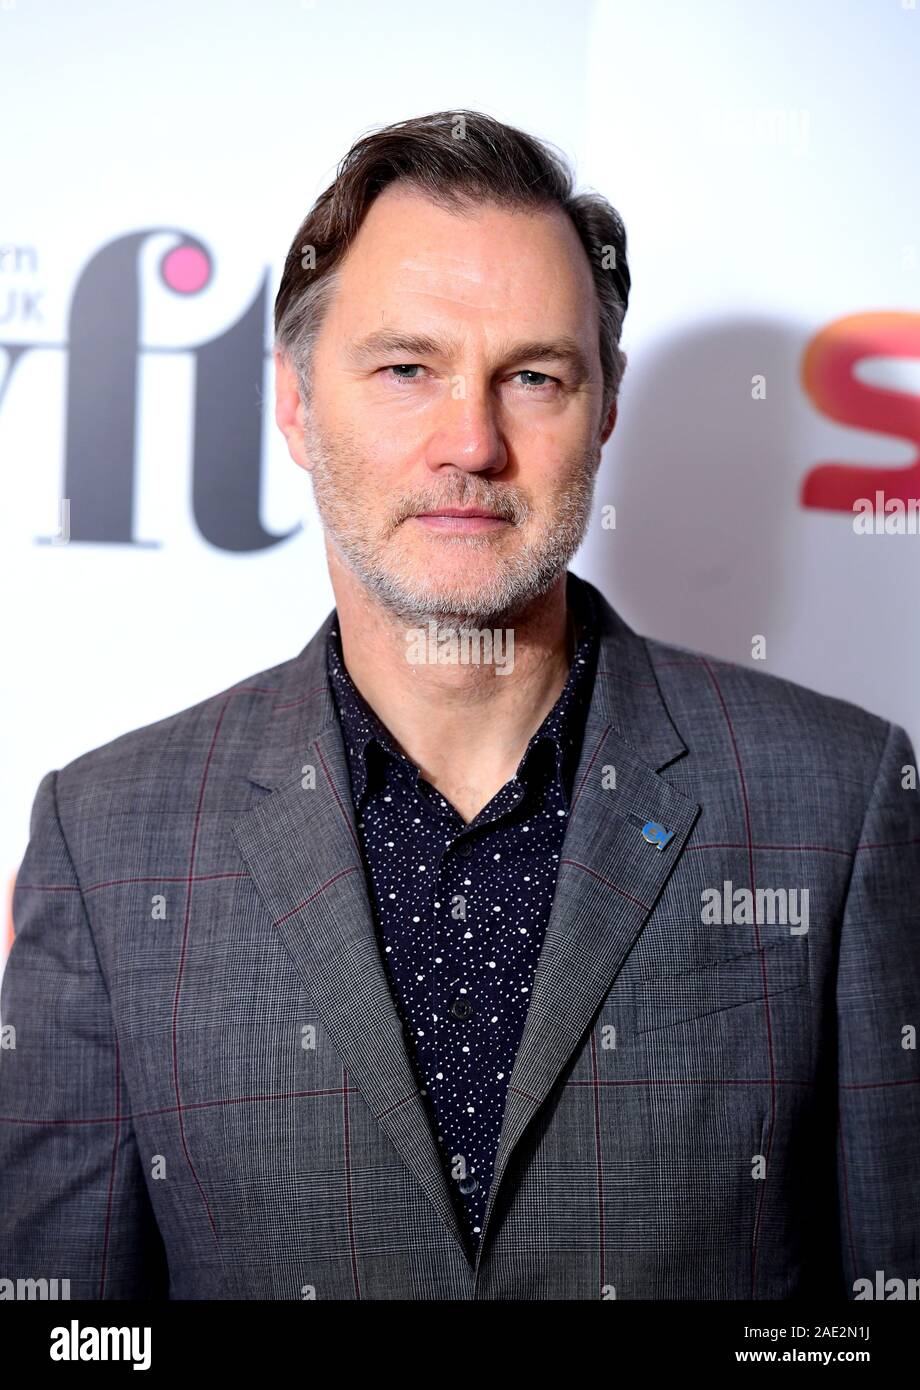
(289, 413)
(609, 423)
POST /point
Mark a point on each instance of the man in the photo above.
(486, 949)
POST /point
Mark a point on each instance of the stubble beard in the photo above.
(521, 575)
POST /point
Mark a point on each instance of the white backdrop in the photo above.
(764, 160)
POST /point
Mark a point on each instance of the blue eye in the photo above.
(531, 386)
(399, 372)
(404, 367)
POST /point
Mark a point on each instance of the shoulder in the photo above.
(767, 715)
(161, 765)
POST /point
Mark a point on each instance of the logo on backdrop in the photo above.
(100, 429)
(829, 380)
(103, 349)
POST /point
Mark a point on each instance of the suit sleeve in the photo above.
(878, 1016)
(75, 1205)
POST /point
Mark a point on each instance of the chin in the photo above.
(445, 586)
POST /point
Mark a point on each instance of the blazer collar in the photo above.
(626, 697)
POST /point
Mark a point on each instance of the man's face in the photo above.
(457, 367)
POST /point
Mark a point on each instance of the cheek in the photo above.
(550, 473)
(390, 456)
(552, 444)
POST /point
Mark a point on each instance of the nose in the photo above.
(467, 433)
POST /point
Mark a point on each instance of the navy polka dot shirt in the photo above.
(461, 909)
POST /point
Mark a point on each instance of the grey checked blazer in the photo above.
(210, 1097)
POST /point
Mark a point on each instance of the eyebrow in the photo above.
(385, 341)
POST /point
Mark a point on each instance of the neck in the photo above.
(463, 725)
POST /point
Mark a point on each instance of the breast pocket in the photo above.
(757, 974)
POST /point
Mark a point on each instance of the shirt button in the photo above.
(467, 1185)
(461, 1008)
(465, 849)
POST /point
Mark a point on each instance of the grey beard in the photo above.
(522, 578)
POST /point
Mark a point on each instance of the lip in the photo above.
(462, 511)
(460, 519)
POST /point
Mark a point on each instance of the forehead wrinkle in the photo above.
(456, 284)
(451, 299)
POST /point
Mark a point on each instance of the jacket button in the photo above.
(461, 1008)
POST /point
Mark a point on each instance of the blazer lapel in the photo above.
(301, 847)
(610, 875)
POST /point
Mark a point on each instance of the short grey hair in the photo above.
(458, 159)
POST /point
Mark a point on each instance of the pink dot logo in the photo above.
(186, 270)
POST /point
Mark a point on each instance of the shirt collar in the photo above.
(368, 742)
